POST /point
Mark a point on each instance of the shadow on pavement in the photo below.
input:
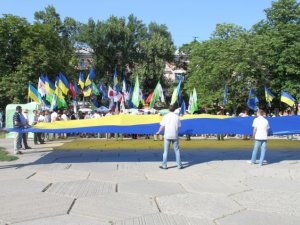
(188, 157)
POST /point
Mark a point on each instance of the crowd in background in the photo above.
(61, 115)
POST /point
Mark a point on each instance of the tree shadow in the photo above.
(188, 157)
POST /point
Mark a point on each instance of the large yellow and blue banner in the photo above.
(149, 124)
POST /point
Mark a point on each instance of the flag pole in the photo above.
(28, 92)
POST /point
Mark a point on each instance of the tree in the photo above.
(130, 47)
(13, 30)
(267, 54)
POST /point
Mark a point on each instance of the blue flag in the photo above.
(183, 109)
(116, 82)
(252, 100)
(103, 91)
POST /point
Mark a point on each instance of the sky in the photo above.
(186, 20)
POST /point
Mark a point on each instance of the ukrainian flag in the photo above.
(287, 98)
(49, 86)
(34, 94)
(90, 78)
(81, 80)
(58, 90)
(269, 96)
(87, 91)
(63, 84)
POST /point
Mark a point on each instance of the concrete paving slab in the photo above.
(224, 170)
(13, 173)
(138, 167)
(47, 167)
(249, 217)
(82, 188)
(268, 201)
(113, 207)
(295, 174)
(99, 167)
(151, 188)
(215, 185)
(53, 176)
(272, 171)
(117, 176)
(164, 219)
(64, 220)
(172, 175)
(20, 208)
(203, 205)
(21, 186)
(272, 184)
(213, 180)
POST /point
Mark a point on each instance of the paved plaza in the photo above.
(216, 187)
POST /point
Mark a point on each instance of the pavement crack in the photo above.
(233, 194)
(31, 175)
(230, 214)
(71, 206)
(155, 200)
(88, 176)
(117, 187)
(47, 187)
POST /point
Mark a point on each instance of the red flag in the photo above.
(73, 93)
(148, 100)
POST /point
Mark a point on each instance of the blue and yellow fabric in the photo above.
(149, 124)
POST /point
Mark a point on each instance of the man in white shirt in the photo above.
(170, 123)
(260, 134)
(25, 124)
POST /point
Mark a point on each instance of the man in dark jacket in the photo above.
(17, 123)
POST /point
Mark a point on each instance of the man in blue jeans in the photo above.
(260, 134)
(171, 124)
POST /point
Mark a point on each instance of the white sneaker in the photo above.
(250, 162)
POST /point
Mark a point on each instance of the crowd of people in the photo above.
(170, 123)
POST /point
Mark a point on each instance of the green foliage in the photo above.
(29, 50)
(129, 46)
(267, 55)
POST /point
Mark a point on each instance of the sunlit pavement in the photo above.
(216, 187)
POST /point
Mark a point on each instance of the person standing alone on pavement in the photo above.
(260, 134)
(17, 123)
(170, 123)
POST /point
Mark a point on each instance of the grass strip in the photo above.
(141, 144)
(5, 156)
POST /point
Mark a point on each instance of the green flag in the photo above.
(95, 89)
(174, 97)
(49, 98)
(155, 95)
(193, 103)
(136, 93)
(61, 103)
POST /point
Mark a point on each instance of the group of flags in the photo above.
(253, 100)
(55, 93)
